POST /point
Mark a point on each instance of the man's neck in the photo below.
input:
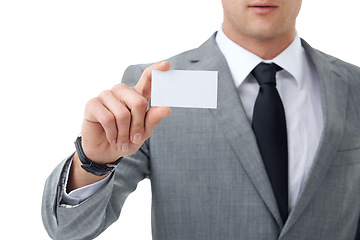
(266, 49)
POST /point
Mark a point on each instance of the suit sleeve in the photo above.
(91, 217)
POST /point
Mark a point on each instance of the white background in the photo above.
(56, 55)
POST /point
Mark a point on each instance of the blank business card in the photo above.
(181, 88)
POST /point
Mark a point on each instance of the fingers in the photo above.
(136, 106)
(144, 85)
(96, 112)
(153, 118)
(121, 119)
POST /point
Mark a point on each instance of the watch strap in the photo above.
(89, 166)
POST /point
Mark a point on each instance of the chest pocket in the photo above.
(348, 152)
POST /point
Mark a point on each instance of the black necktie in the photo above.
(269, 126)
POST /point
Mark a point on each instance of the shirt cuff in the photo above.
(79, 195)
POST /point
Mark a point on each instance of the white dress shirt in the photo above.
(299, 88)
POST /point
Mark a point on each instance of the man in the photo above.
(208, 168)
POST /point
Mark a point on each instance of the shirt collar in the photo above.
(241, 62)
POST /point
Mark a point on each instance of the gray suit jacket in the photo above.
(208, 180)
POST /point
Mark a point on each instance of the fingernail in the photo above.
(125, 147)
(137, 138)
(164, 62)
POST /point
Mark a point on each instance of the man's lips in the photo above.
(262, 4)
(262, 8)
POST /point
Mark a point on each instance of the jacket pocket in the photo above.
(349, 142)
(348, 154)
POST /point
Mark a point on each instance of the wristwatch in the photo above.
(89, 166)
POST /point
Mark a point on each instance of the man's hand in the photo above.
(117, 122)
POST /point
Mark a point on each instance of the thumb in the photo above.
(153, 118)
(144, 84)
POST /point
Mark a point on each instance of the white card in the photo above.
(180, 88)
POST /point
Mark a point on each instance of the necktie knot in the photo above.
(265, 73)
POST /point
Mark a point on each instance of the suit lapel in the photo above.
(232, 118)
(334, 92)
